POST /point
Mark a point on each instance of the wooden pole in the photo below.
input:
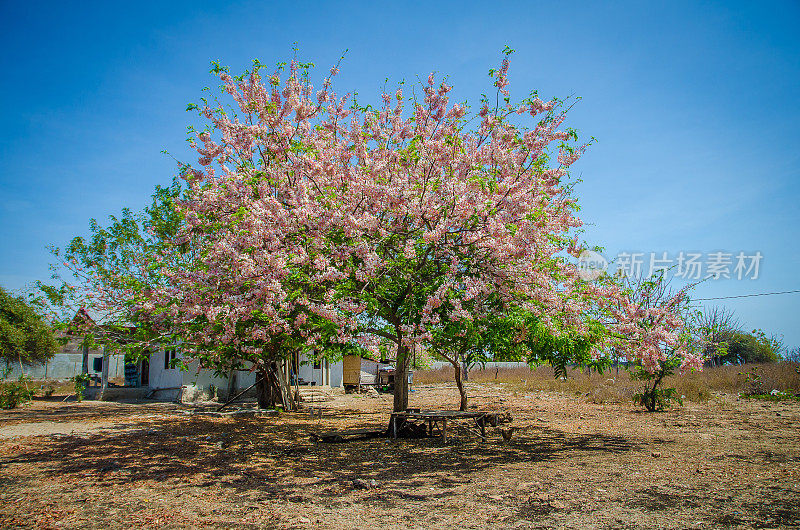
(104, 376)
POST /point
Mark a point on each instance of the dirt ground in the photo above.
(728, 462)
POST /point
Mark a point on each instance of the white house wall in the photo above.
(327, 374)
(337, 374)
(203, 384)
(160, 377)
(244, 379)
(308, 373)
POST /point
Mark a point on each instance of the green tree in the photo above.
(25, 336)
(99, 281)
(107, 274)
(715, 327)
(513, 334)
(467, 342)
(754, 347)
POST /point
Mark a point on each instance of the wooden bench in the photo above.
(439, 419)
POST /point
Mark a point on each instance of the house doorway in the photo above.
(145, 373)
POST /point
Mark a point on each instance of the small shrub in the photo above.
(767, 379)
(12, 394)
(754, 382)
(48, 391)
(776, 395)
(80, 382)
(653, 397)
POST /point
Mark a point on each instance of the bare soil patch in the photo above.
(721, 463)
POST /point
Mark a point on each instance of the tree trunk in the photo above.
(263, 393)
(85, 358)
(401, 379)
(272, 387)
(231, 384)
(460, 384)
(22, 373)
(283, 387)
(464, 367)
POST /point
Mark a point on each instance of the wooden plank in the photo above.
(451, 414)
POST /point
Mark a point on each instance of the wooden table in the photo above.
(438, 418)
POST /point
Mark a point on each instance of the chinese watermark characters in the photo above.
(686, 265)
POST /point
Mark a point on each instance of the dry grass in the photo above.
(63, 387)
(60, 388)
(617, 387)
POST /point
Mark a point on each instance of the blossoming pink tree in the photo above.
(334, 223)
(667, 331)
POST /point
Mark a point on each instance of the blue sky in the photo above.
(694, 107)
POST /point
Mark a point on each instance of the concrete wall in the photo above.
(337, 374)
(198, 383)
(309, 374)
(160, 377)
(68, 363)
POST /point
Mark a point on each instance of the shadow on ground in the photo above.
(265, 457)
(87, 410)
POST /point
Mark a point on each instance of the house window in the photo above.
(169, 358)
(317, 364)
(97, 364)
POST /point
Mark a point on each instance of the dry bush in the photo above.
(617, 387)
(60, 387)
(434, 375)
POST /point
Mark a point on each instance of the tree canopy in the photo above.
(25, 336)
(108, 273)
(313, 223)
(316, 221)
